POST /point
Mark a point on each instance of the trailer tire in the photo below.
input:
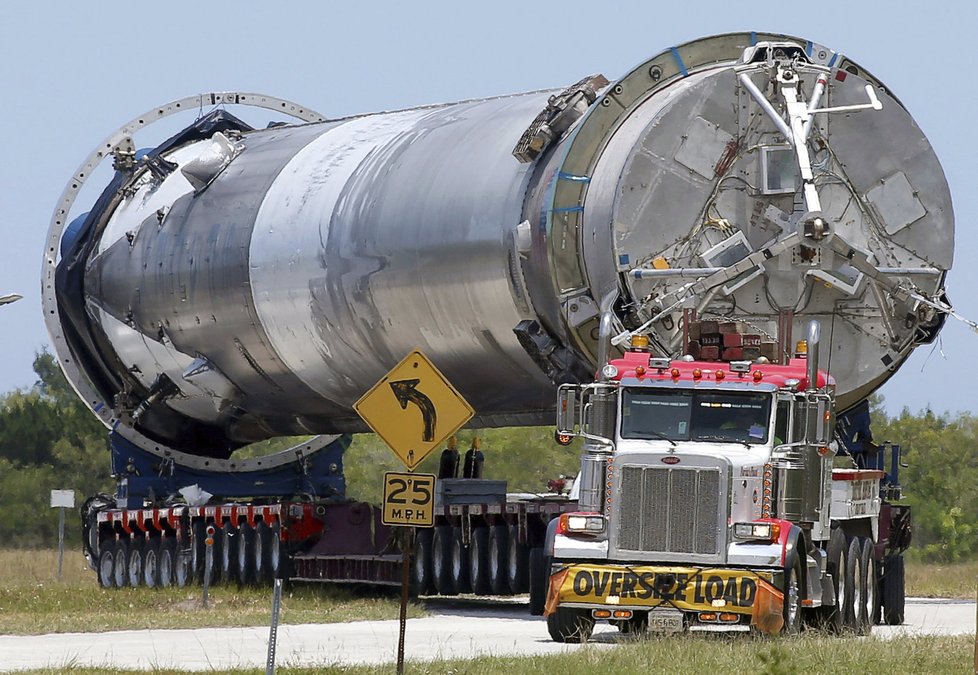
(460, 562)
(518, 567)
(246, 554)
(168, 561)
(479, 561)
(421, 564)
(867, 572)
(853, 577)
(893, 592)
(261, 553)
(198, 549)
(498, 559)
(792, 598)
(229, 553)
(569, 625)
(539, 580)
(834, 617)
(183, 570)
(106, 564)
(151, 562)
(120, 570)
(272, 553)
(441, 560)
(137, 549)
(212, 554)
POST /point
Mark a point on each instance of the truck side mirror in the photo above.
(568, 397)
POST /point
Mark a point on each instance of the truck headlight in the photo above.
(580, 523)
(757, 531)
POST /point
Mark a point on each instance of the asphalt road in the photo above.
(455, 630)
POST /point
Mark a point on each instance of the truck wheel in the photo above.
(246, 554)
(539, 580)
(106, 564)
(271, 553)
(183, 569)
(854, 582)
(460, 562)
(792, 598)
(479, 561)
(834, 617)
(421, 567)
(120, 571)
(229, 552)
(262, 533)
(517, 569)
(867, 573)
(893, 592)
(441, 560)
(198, 549)
(569, 625)
(498, 559)
(167, 561)
(212, 557)
(137, 549)
(151, 562)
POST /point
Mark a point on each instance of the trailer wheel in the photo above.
(137, 549)
(151, 562)
(183, 569)
(867, 573)
(498, 559)
(106, 564)
(517, 569)
(834, 617)
(792, 598)
(229, 553)
(853, 577)
(460, 562)
(262, 553)
(167, 561)
(120, 571)
(539, 580)
(441, 560)
(212, 557)
(198, 549)
(421, 564)
(246, 554)
(272, 553)
(893, 591)
(569, 625)
(479, 561)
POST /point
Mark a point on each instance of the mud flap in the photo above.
(553, 592)
(768, 615)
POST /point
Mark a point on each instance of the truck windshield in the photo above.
(684, 415)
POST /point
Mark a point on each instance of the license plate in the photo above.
(666, 621)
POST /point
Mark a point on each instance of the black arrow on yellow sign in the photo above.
(406, 392)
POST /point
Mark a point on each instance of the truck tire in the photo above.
(272, 553)
(792, 598)
(183, 569)
(151, 562)
(834, 617)
(441, 560)
(479, 561)
(569, 625)
(212, 556)
(517, 569)
(106, 564)
(198, 549)
(853, 579)
(167, 561)
(229, 553)
(539, 580)
(867, 572)
(137, 548)
(498, 560)
(893, 593)
(263, 534)
(460, 562)
(246, 554)
(421, 568)
(120, 570)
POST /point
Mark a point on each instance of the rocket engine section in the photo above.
(235, 284)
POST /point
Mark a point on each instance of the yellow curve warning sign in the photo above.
(414, 408)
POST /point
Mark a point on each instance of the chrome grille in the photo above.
(670, 510)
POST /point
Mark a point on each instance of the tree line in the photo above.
(50, 440)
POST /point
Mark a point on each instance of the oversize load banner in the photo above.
(686, 588)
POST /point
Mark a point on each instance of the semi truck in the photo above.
(241, 281)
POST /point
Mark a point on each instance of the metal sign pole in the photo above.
(273, 630)
(61, 539)
(407, 537)
(208, 561)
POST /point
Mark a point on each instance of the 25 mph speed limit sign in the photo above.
(409, 499)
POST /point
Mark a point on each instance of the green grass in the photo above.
(688, 654)
(932, 580)
(33, 601)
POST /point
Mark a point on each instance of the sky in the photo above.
(71, 73)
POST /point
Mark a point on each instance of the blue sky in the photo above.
(72, 73)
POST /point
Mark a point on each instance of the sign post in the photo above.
(61, 500)
(413, 408)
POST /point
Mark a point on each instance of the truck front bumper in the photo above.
(702, 594)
